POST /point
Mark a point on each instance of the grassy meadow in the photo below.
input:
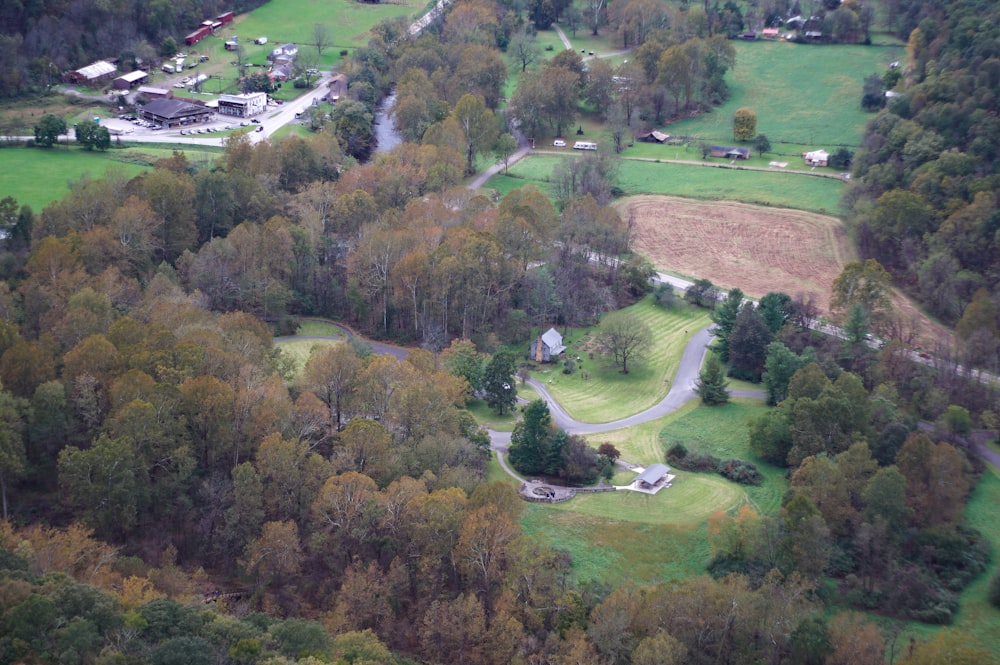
(632, 537)
(771, 188)
(608, 394)
(37, 176)
(803, 94)
(299, 350)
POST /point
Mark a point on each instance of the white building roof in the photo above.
(132, 77)
(553, 340)
(96, 70)
(242, 98)
(817, 154)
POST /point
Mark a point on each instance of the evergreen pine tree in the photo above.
(712, 383)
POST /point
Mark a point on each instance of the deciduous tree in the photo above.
(625, 338)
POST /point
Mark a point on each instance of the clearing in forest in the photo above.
(755, 248)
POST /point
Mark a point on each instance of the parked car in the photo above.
(260, 128)
(559, 143)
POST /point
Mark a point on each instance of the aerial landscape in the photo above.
(610, 332)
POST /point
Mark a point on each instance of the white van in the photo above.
(559, 143)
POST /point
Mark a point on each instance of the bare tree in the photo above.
(321, 37)
(522, 48)
(627, 338)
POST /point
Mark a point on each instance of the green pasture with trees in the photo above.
(802, 95)
(596, 390)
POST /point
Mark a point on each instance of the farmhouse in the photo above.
(130, 80)
(729, 152)
(243, 106)
(653, 137)
(816, 157)
(93, 74)
(653, 479)
(547, 346)
(283, 54)
(770, 33)
(175, 112)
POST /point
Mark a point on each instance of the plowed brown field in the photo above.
(755, 248)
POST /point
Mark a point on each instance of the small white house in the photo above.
(816, 157)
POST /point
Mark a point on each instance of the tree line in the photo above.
(923, 201)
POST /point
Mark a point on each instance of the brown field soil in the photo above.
(756, 248)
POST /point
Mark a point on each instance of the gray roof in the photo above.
(173, 108)
(553, 340)
(653, 473)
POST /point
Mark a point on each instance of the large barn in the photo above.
(93, 74)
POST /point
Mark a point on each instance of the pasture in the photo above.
(36, 177)
(597, 391)
(803, 94)
(632, 537)
(695, 181)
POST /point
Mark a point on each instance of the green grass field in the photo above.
(976, 616)
(608, 394)
(802, 94)
(300, 350)
(782, 190)
(37, 177)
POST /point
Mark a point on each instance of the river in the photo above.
(385, 128)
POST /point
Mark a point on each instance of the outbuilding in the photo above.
(93, 74)
(151, 92)
(729, 152)
(653, 137)
(655, 477)
(130, 80)
(175, 113)
(817, 158)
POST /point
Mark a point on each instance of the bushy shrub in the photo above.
(740, 471)
(569, 366)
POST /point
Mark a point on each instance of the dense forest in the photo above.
(924, 202)
(176, 491)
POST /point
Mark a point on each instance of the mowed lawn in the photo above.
(804, 94)
(771, 188)
(37, 176)
(608, 394)
(347, 21)
(616, 551)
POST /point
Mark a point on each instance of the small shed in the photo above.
(654, 477)
(729, 152)
(816, 158)
(547, 346)
(653, 137)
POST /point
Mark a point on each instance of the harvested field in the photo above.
(755, 248)
(758, 249)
